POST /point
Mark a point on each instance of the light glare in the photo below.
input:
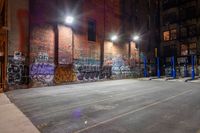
(69, 20)
(135, 38)
(114, 38)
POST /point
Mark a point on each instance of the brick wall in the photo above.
(18, 31)
(48, 32)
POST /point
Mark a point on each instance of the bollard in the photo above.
(158, 67)
(171, 66)
(193, 71)
(145, 67)
(173, 69)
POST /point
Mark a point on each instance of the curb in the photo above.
(12, 119)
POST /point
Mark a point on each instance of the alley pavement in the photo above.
(118, 106)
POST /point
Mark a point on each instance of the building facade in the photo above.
(179, 33)
(144, 20)
(38, 48)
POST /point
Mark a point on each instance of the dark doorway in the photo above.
(2, 59)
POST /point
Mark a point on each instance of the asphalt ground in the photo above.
(119, 106)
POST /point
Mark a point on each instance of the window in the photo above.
(169, 18)
(91, 30)
(193, 48)
(184, 49)
(191, 12)
(192, 30)
(173, 35)
(168, 3)
(170, 50)
(182, 13)
(183, 32)
(166, 36)
(157, 19)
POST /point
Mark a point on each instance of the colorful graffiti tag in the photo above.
(92, 72)
(120, 67)
(42, 72)
(17, 71)
(88, 69)
(42, 57)
(64, 74)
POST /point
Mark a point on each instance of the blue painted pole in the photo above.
(158, 67)
(193, 72)
(145, 67)
(173, 69)
(171, 66)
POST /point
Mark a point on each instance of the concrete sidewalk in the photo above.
(196, 80)
(12, 120)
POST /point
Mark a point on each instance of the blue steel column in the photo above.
(193, 71)
(158, 67)
(145, 67)
(173, 69)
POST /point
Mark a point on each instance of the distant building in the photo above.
(141, 17)
(179, 31)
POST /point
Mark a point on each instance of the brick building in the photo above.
(41, 49)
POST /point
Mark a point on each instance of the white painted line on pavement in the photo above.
(133, 111)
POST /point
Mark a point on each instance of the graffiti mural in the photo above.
(106, 72)
(17, 70)
(64, 74)
(42, 72)
(88, 72)
(41, 68)
(88, 69)
(93, 72)
(120, 67)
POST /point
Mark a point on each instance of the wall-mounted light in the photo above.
(114, 38)
(136, 38)
(69, 20)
